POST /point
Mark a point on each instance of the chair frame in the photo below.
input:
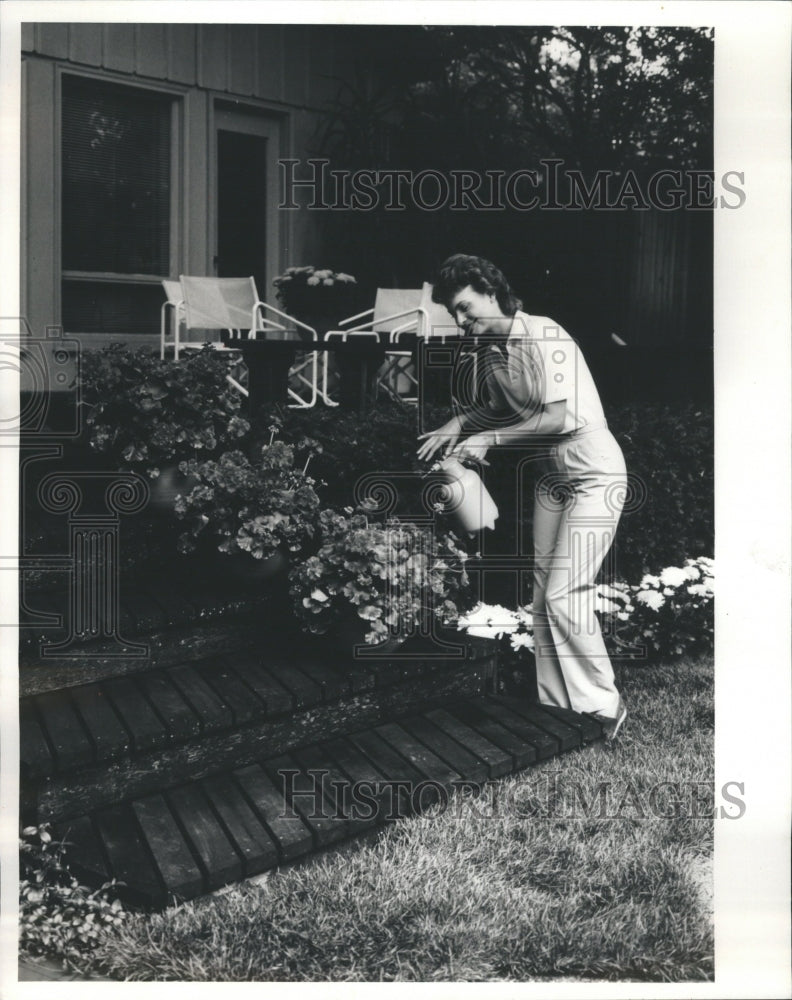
(173, 308)
(260, 323)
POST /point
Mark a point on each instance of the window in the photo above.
(116, 206)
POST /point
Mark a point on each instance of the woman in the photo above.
(538, 389)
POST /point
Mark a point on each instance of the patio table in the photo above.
(269, 361)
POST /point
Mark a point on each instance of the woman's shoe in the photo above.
(611, 725)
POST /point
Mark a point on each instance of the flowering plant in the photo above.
(389, 574)
(58, 916)
(146, 412)
(256, 507)
(314, 291)
(670, 614)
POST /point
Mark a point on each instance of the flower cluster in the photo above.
(388, 574)
(667, 615)
(312, 290)
(492, 621)
(145, 412)
(256, 507)
(671, 613)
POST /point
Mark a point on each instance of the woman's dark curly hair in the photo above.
(462, 269)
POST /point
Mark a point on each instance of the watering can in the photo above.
(469, 498)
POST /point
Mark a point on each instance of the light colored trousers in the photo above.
(579, 499)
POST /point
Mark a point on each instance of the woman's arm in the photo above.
(549, 420)
(449, 434)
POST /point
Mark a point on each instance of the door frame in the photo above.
(249, 120)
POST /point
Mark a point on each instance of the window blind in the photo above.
(116, 149)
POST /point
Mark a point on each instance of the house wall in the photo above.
(286, 72)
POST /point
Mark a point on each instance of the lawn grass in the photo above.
(518, 884)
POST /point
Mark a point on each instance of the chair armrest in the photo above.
(283, 315)
(352, 319)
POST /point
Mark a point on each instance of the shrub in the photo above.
(256, 506)
(670, 449)
(143, 412)
(353, 445)
(669, 614)
(58, 917)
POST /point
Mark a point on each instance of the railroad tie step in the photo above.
(91, 745)
(195, 837)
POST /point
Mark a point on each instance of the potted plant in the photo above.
(150, 415)
(317, 296)
(256, 511)
(375, 581)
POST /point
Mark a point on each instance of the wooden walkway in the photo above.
(197, 836)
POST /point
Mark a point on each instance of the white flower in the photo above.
(606, 607)
(651, 598)
(313, 280)
(524, 616)
(622, 616)
(319, 595)
(484, 631)
(692, 571)
(673, 577)
(698, 590)
(649, 581)
(521, 640)
(489, 621)
(668, 591)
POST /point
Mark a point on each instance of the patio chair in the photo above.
(434, 323)
(233, 305)
(171, 317)
(395, 311)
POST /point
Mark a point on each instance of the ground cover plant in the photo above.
(59, 916)
(550, 886)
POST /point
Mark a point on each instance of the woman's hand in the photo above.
(444, 437)
(475, 448)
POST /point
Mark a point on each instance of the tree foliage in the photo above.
(597, 97)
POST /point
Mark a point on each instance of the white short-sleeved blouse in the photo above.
(543, 364)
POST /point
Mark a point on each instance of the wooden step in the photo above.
(195, 836)
(175, 621)
(127, 736)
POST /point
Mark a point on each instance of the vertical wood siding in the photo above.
(118, 48)
(289, 64)
(151, 50)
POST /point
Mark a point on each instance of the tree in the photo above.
(597, 98)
